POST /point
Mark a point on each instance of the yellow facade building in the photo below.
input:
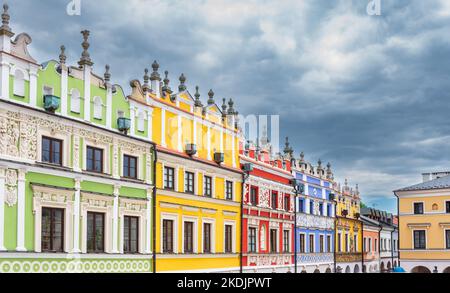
(424, 225)
(198, 180)
(349, 230)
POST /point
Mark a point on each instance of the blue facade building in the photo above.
(315, 217)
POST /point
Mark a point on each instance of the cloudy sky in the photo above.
(370, 94)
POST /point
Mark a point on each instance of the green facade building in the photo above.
(76, 166)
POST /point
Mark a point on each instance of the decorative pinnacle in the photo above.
(230, 107)
(5, 29)
(166, 87)
(319, 163)
(211, 97)
(287, 149)
(145, 86)
(107, 74)
(155, 75)
(85, 57)
(197, 103)
(302, 156)
(224, 107)
(62, 55)
(182, 86)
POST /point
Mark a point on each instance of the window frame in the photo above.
(229, 190)
(189, 183)
(274, 200)
(254, 196)
(228, 239)
(273, 241)
(128, 158)
(102, 155)
(286, 241)
(188, 240)
(51, 141)
(164, 237)
(329, 244)
(207, 245)
(312, 244)
(166, 178)
(447, 207)
(95, 250)
(252, 239)
(415, 247)
(52, 227)
(422, 205)
(447, 238)
(302, 242)
(129, 237)
(207, 186)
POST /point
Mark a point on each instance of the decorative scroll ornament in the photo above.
(264, 197)
(11, 187)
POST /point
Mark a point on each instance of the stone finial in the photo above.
(166, 88)
(85, 57)
(230, 107)
(224, 107)
(211, 97)
(145, 86)
(319, 163)
(155, 74)
(302, 157)
(329, 167)
(62, 55)
(107, 75)
(287, 148)
(197, 102)
(182, 87)
(5, 29)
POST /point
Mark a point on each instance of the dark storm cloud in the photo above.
(370, 94)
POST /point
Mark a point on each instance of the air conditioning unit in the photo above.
(247, 167)
(219, 158)
(191, 149)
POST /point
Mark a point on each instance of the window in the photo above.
(75, 101)
(168, 236)
(376, 245)
(370, 244)
(95, 232)
(339, 242)
(94, 160)
(207, 186)
(329, 243)
(321, 209)
(311, 207)
(419, 239)
(286, 202)
(253, 196)
(19, 83)
(301, 205)
(447, 207)
(447, 239)
(329, 210)
(364, 244)
(229, 190)
(189, 182)
(52, 239)
(302, 243)
(130, 167)
(206, 238)
(252, 240)
(169, 178)
(130, 234)
(98, 108)
(274, 199)
(322, 243)
(286, 242)
(228, 239)
(355, 243)
(141, 122)
(273, 241)
(52, 150)
(418, 208)
(188, 237)
(311, 243)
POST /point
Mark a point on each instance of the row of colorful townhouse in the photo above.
(95, 180)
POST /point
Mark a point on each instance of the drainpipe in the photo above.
(379, 246)
(154, 208)
(335, 235)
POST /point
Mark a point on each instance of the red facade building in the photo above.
(268, 211)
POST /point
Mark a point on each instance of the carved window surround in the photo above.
(134, 208)
(53, 198)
